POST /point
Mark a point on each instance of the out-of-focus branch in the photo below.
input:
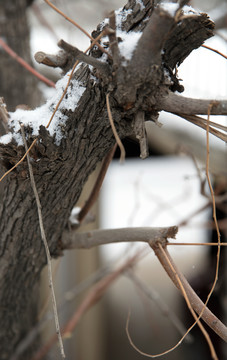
(211, 320)
(94, 295)
(25, 64)
(95, 191)
(179, 104)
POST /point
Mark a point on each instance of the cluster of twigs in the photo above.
(156, 238)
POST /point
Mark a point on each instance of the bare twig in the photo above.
(43, 236)
(197, 319)
(39, 14)
(118, 140)
(213, 205)
(211, 320)
(202, 123)
(92, 298)
(25, 64)
(77, 25)
(214, 50)
(95, 191)
(68, 297)
(156, 298)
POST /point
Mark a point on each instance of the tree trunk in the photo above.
(17, 85)
(61, 169)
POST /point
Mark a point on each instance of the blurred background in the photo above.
(163, 190)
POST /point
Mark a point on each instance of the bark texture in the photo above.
(61, 171)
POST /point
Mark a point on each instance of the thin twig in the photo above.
(177, 280)
(68, 297)
(43, 236)
(213, 205)
(200, 244)
(211, 320)
(96, 189)
(118, 140)
(157, 299)
(25, 64)
(91, 298)
(77, 25)
(197, 319)
(214, 50)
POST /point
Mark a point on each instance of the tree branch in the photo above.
(179, 104)
(148, 50)
(79, 55)
(87, 240)
(211, 320)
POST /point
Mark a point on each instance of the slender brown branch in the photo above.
(87, 240)
(96, 189)
(214, 50)
(197, 319)
(39, 14)
(202, 123)
(117, 138)
(44, 239)
(180, 104)
(92, 298)
(211, 320)
(75, 24)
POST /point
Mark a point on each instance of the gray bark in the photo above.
(61, 171)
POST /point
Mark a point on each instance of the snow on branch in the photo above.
(40, 116)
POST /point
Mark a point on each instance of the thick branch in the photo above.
(148, 50)
(87, 240)
(179, 104)
(211, 320)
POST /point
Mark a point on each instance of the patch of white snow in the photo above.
(41, 115)
(128, 43)
(169, 7)
(5, 139)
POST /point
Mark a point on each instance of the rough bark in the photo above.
(61, 170)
